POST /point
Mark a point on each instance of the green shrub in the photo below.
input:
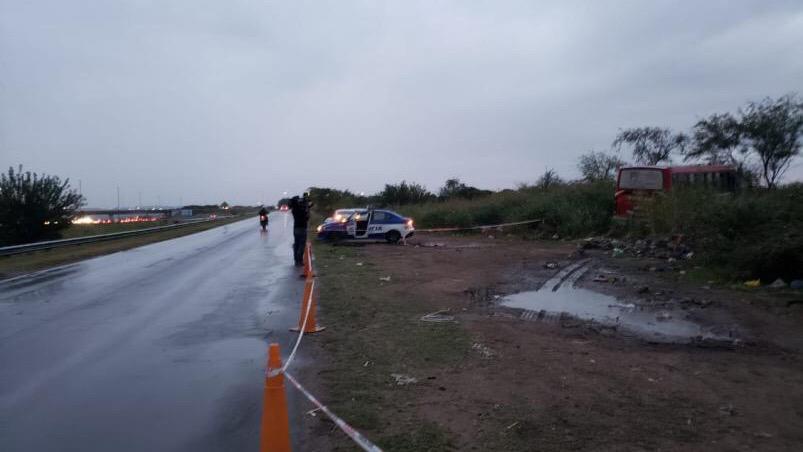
(571, 210)
(754, 234)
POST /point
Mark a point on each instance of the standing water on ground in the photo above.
(558, 296)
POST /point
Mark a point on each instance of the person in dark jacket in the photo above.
(300, 208)
(263, 218)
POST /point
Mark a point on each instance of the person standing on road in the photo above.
(300, 208)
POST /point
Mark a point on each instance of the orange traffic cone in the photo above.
(275, 433)
(308, 273)
(310, 299)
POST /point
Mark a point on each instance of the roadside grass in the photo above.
(373, 332)
(40, 260)
(569, 210)
(427, 437)
(754, 234)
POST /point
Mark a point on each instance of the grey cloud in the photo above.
(206, 100)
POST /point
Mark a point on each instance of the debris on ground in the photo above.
(439, 316)
(753, 283)
(551, 265)
(403, 380)
(663, 316)
(643, 290)
(384, 278)
(727, 410)
(482, 294)
(671, 249)
(484, 350)
(359, 264)
(778, 284)
(693, 301)
(433, 244)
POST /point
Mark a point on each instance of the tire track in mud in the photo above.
(569, 274)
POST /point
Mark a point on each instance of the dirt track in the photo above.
(504, 383)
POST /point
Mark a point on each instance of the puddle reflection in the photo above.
(557, 298)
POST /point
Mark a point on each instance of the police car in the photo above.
(341, 215)
(369, 224)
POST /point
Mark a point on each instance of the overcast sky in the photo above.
(200, 101)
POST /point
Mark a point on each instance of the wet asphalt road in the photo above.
(161, 347)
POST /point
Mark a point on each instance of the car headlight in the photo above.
(320, 227)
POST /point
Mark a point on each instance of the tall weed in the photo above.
(570, 210)
(753, 234)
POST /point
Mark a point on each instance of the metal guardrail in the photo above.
(38, 246)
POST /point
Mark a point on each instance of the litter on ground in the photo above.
(439, 316)
(753, 283)
(404, 380)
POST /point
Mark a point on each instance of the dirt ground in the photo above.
(490, 380)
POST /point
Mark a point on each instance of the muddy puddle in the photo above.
(559, 298)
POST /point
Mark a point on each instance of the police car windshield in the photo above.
(359, 215)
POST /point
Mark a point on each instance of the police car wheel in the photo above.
(392, 236)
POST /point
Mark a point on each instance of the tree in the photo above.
(453, 188)
(548, 180)
(651, 145)
(772, 130)
(326, 200)
(404, 193)
(596, 166)
(34, 207)
(716, 139)
(224, 205)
